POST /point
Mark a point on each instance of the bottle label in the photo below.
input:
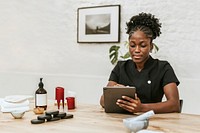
(41, 99)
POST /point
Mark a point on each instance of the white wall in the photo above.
(38, 38)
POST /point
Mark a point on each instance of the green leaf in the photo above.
(114, 48)
(156, 47)
(113, 53)
(127, 55)
(114, 61)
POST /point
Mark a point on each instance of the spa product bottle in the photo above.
(41, 96)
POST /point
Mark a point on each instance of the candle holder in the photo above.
(70, 102)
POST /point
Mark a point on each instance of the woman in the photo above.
(152, 78)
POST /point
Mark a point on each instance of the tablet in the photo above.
(112, 94)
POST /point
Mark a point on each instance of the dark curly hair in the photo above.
(146, 23)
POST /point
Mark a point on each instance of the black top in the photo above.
(149, 82)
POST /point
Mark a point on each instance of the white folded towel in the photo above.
(22, 109)
(6, 104)
(17, 98)
(15, 103)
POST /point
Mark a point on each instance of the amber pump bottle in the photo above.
(41, 96)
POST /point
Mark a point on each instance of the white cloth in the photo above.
(15, 103)
(6, 104)
(21, 109)
(17, 98)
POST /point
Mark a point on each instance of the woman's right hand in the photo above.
(113, 83)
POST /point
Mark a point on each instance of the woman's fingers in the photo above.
(136, 98)
(119, 85)
(130, 99)
(125, 105)
(129, 103)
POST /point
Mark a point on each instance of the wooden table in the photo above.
(93, 119)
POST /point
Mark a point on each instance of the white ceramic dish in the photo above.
(18, 114)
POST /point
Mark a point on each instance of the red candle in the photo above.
(59, 96)
(70, 102)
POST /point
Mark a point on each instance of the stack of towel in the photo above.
(15, 103)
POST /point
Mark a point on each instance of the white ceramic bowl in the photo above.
(18, 114)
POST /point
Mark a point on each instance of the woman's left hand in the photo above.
(130, 104)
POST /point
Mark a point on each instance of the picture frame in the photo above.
(98, 24)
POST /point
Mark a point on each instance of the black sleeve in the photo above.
(114, 76)
(169, 76)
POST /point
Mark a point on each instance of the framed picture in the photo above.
(98, 24)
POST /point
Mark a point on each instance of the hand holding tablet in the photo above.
(112, 94)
